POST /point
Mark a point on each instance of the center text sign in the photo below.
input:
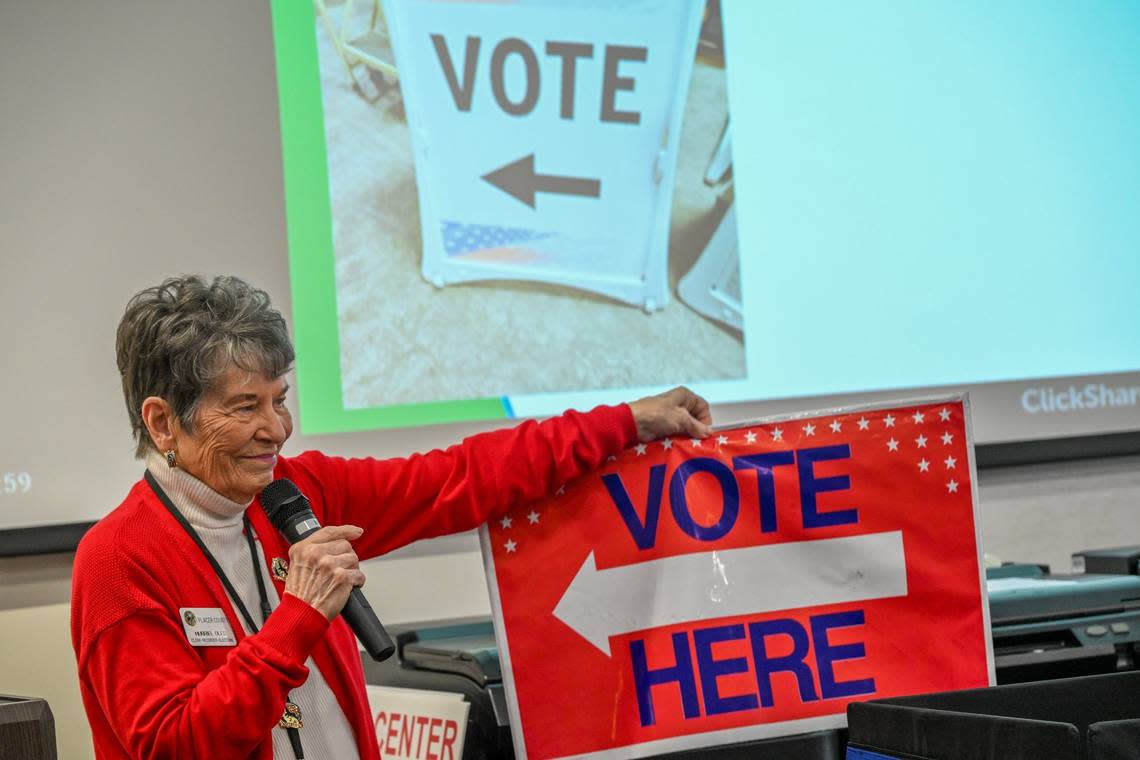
(695, 593)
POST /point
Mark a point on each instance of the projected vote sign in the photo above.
(749, 585)
(545, 138)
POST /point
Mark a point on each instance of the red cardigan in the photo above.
(150, 694)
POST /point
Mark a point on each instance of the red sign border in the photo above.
(760, 730)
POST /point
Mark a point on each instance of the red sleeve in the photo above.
(162, 702)
(398, 501)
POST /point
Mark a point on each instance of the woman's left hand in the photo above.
(676, 411)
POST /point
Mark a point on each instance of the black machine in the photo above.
(1122, 560)
(1087, 718)
(27, 729)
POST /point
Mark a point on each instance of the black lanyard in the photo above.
(291, 712)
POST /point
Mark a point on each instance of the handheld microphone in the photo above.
(291, 513)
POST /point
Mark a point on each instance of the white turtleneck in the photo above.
(326, 734)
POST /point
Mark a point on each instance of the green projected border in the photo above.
(311, 266)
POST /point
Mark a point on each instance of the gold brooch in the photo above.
(291, 718)
(280, 568)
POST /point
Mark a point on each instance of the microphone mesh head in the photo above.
(283, 501)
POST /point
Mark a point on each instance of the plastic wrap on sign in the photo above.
(693, 593)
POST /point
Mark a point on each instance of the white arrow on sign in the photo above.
(726, 583)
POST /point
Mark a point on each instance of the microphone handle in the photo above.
(357, 612)
(362, 620)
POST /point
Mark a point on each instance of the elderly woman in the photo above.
(194, 637)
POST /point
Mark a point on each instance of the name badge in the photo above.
(206, 627)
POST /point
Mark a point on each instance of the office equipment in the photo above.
(1121, 560)
(1053, 626)
(1089, 718)
(27, 729)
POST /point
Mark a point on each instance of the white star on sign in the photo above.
(721, 440)
(532, 517)
(918, 418)
(510, 546)
(667, 444)
(952, 486)
(696, 442)
(889, 420)
(944, 415)
(777, 434)
(750, 437)
(950, 462)
(809, 429)
(835, 426)
(505, 522)
(641, 447)
(892, 445)
(921, 441)
(923, 465)
(863, 424)
(947, 438)
(561, 490)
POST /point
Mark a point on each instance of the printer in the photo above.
(1056, 626)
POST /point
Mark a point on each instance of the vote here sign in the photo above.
(694, 593)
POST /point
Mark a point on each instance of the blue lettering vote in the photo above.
(730, 495)
(810, 485)
(644, 534)
(644, 531)
(766, 481)
(709, 669)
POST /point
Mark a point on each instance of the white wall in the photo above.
(1045, 512)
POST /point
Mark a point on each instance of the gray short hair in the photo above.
(176, 339)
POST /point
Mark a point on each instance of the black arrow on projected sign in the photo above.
(519, 180)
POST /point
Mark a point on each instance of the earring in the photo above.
(171, 459)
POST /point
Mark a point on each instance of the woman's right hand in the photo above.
(323, 568)
(678, 411)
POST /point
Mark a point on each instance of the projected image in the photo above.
(528, 198)
(535, 205)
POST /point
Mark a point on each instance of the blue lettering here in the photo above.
(712, 669)
(645, 679)
(826, 655)
(791, 663)
(811, 661)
